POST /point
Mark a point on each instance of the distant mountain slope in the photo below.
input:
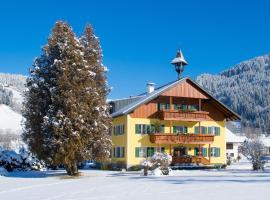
(10, 121)
(245, 88)
(11, 98)
(11, 89)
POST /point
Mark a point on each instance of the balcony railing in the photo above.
(181, 138)
(183, 115)
(190, 160)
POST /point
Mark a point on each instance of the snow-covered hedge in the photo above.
(22, 161)
(159, 162)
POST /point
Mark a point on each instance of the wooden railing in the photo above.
(181, 138)
(190, 159)
(183, 115)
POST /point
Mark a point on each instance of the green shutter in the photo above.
(184, 107)
(204, 152)
(138, 128)
(175, 106)
(185, 129)
(162, 128)
(196, 151)
(196, 130)
(153, 128)
(209, 130)
(137, 152)
(174, 129)
(158, 106)
(168, 106)
(217, 132)
(150, 151)
(217, 152)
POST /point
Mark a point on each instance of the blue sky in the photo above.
(139, 38)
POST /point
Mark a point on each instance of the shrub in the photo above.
(23, 161)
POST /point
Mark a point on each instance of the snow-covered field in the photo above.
(236, 182)
(10, 120)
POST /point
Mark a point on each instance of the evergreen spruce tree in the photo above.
(65, 102)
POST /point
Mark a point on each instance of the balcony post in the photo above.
(200, 104)
(200, 150)
(171, 103)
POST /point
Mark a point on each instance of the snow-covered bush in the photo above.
(159, 160)
(22, 161)
(253, 150)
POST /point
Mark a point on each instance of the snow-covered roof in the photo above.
(233, 138)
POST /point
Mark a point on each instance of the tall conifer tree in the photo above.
(65, 102)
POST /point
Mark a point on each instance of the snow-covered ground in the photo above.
(236, 182)
(10, 121)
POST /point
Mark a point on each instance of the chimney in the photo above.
(150, 87)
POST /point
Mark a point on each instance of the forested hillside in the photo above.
(11, 97)
(245, 88)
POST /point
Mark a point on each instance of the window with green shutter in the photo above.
(168, 106)
(215, 152)
(176, 107)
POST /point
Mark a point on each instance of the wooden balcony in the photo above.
(181, 138)
(190, 160)
(183, 115)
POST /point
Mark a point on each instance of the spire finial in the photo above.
(179, 62)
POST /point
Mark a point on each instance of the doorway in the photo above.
(179, 151)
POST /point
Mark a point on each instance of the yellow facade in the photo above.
(130, 140)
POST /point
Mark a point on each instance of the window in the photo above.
(180, 129)
(160, 106)
(229, 145)
(215, 152)
(119, 152)
(202, 131)
(177, 106)
(204, 151)
(144, 128)
(163, 106)
(118, 129)
(184, 107)
(143, 152)
(193, 107)
(214, 130)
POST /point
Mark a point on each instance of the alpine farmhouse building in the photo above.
(179, 118)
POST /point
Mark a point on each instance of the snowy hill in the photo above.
(10, 121)
(244, 88)
(11, 99)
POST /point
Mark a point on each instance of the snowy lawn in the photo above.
(236, 182)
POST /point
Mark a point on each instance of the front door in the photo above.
(180, 151)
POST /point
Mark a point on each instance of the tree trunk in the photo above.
(72, 169)
(145, 170)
